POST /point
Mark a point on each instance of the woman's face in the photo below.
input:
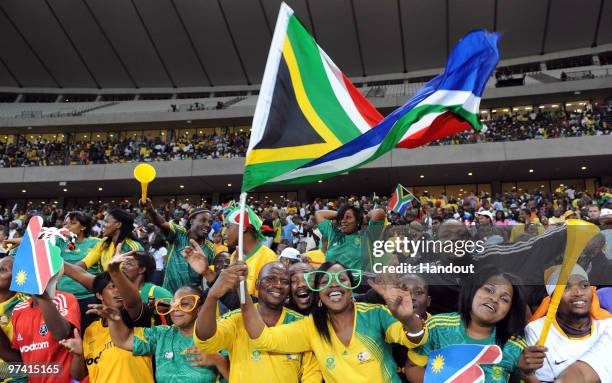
(180, 318)
(74, 226)
(335, 297)
(492, 301)
(348, 223)
(111, 226)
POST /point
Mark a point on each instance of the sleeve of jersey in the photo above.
(223, 338)
(375, 230)
(394, 330)
(145, 341)
(93, 256)
(511, 352)
(310, 372)
(175, 230)
(74, 311)
(326, 229)
(285, 339)
(530, 335)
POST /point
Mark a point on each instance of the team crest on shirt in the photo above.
(4, 319)
(330, 362)
(169, 355)
(292, 357)
(43, 330)
(363, 356)
(256, 355)
(357, 241)
(498, 373)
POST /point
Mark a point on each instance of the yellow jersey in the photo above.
(249, 364)
(107, 363)
(368, 357)
(255, 260)
(102, 253)
(6, 325)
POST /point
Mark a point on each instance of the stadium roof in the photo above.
(199, 43)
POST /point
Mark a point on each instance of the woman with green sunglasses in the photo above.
(351, 341)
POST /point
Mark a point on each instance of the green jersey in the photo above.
(151, 291)
(448, 329)
(166, 344)
(80, 251)
(178, 272)
(350, 249)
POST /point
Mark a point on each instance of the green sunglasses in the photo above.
(310, 279)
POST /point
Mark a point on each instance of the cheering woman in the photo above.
(350, 340)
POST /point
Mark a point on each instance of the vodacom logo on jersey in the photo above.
(34, 347)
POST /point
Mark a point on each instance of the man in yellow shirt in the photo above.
(256, 254)
(96, 355)
(247, 364)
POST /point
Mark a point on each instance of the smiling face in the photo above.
(185, 300)
(348, 222)
(110, 296)
(577, 298)
(419, 292)
(301, 295)
(273, 284)
(73, 225)
(200, 225)
(492, 301)
(335, 297)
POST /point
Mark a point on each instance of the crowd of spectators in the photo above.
(499, 127)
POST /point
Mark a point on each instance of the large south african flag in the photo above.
(306, 107)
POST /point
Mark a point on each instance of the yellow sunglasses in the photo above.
(186, 304)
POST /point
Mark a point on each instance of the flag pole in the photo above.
(243, 197)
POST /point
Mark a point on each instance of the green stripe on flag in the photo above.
(316, 83)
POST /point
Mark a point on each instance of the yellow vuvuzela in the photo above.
(145, 174)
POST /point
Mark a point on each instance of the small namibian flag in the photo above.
(306, 107)
(37, 260)
(401, 200)
(459, 363)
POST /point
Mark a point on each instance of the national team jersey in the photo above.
(102, 253)
(367, 358)
(448, 329)
(178, 272)
(6, 325)
(107, 363)
(167, 345)
(563, 351)
(72, 256)
(32, 337)
(352, 250)
(255, 364)
(255, 260)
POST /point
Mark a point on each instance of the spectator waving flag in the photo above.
(37, 260)
(446, 105)
(459, 363)
(401, 200)
(306, 107)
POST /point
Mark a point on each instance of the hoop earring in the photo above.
(319, 304)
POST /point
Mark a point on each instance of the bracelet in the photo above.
(414, 335)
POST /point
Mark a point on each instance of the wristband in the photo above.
(414, 335)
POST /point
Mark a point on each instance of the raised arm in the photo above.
(122, 336)
(128, 290)
(321, 215)
(206, 323)
(78, 369)
(195, 257)
(377, 215)
(157, 219)
(79, 274)
(59, 326)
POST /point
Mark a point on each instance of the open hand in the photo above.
(199, 359)
(114, 264)
(399, 301)
(75, 344)
(103, 311)
(194, 255)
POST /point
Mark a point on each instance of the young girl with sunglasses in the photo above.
(491, 312)
(349, 340)
(172, 346)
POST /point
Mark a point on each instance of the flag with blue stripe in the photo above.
(446, 105)
(459, 363)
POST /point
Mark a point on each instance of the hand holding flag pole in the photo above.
(145, 174)
(241, 214)
(579, 233)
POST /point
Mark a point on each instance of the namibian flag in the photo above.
(400, 200)
(459, 363)
(306, 107)
(36, 262)
(446, 105)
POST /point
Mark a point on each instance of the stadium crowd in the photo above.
(149, 285)
(501, 127)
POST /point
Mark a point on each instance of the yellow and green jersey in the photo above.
(103, 252)
(367, 358)
(252, 364)
(352, 250)
(448, 329)
(178, 272)
(255, 260)
(6, 325)
(108, 363)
